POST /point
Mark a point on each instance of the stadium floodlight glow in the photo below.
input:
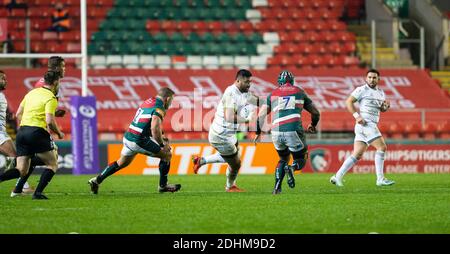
(82, 55)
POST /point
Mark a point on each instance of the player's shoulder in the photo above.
(231, 90)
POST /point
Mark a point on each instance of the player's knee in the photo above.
(300, 159)
(358, 156)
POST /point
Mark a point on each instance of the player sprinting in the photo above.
(222, 133)
(371, 101)
(286, 103)
(144, 136)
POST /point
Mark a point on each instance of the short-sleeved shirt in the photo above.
(286, 103)
(232, 98)
(370, 101)
(140, 127)
(36, 104)
(3, 108)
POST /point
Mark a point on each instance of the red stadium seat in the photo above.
(169, 26)
(268, 13)
(326, 36)
(19, 46)
(319, 25)
(298, 14)
(285, 37)
(443, 130)
(337, 25)
(311, 14)
(17, 35)
(346, 36)
(289, 25)
(429, 131)
(214, 26)
(305, 3)
(312, 36)
(298, 36)
(316, 60)
(304, 48)
(152, 26)
(396, 130)
(413, 130)
(231, 27)
(305, 26)
(319, 4)
(246, 26)
(335, 48)
(73, 47)
(329, 60)
(70, 36)
(47, 35)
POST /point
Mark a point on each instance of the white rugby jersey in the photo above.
(3, 107)
(370, 101)
(232, 98)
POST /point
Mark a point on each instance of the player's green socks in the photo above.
(10, 174)
(164, 168)
(109, 170)
(46, 177)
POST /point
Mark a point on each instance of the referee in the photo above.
(36, 115)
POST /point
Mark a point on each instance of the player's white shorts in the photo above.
(367, 133)
(224, 144)
(131, 148)
(4, 137)
(287, 139)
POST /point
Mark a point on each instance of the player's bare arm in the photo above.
(51, 123)
(264, 110)
(19, 114)
(315, 117)
(156, 129)
(350, 103)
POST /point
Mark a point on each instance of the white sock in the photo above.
(213, 158)
(231, 177)
(379, 165)
(26, 185)
(348, 163)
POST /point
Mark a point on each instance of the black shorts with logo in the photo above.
(31, 140)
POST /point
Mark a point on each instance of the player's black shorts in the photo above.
(31, 140)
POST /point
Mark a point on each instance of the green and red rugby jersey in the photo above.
(140, 127)
(287, 102)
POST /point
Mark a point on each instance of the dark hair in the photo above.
(165, 92)
(2, 72)
(373, 71)
(51, 76)
(55, 62)
(242, 73)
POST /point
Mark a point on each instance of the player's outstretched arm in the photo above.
(260, 122)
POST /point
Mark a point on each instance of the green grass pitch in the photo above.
(417, 203)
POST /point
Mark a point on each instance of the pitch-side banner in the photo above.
(122, 89)
(262, 159)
